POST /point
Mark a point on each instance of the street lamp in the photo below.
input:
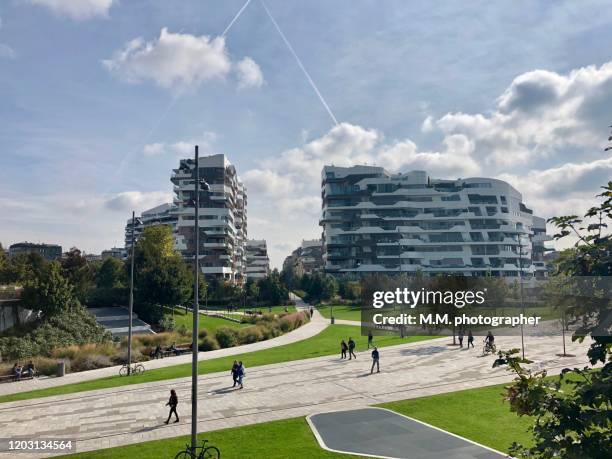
(131, 304)
(198, 185)
(521, 292)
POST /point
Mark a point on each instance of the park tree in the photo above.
(23, 268)
(161, 276)
(50, 293)
(79, 273)
(111, 274)
(272, 290)
(572, 412)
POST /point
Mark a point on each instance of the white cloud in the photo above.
(539, 115)
(136, 200)
(153, 149)
(6, 52)
(78, 10)
(180, 60)
(249, 74)
(183, 148)
(267, 183)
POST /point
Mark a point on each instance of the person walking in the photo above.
(375, 360)
(172, 403)
(461, 334)
(370, 339)
(343, 349)
(234, 372)
(351, 347)
(241, 374)
(470, 339)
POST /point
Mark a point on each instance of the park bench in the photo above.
(12, 377)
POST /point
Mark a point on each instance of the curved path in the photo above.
(316, 325)
(131, 414)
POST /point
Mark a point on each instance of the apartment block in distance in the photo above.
(307, 258)
(377, 222)
(258, 263)
(47, 251)
(222, 217)
(164, 214)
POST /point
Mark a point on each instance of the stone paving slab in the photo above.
(131, 414)
(378, 432)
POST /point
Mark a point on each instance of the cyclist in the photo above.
(490, 342)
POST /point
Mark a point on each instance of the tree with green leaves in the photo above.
(111, 274)
(50, 293)
(573, 413)
(79, 273)
(161, 277)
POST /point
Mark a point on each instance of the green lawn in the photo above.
(343, 312)
(477, 414)
(211, 324)
(325, 343)
(480, 415)
(264, 309)
(289, 438)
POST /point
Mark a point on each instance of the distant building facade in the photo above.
(257, 261)
(377, 222)
(47, 251)
(115, 252)
(307, 258)
(222, 218)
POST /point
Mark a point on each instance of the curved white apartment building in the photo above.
(374, 221)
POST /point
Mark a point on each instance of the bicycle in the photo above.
(206, 452)
(136, 369)
(488, 348)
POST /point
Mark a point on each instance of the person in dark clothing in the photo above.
(172, 403)
(375, 361)
(470, 339)
(16, 372)
(343, 349)
(311, 312)
(461, 334)
(351, 346)
(235, 373)
(30, 370)
(241, 373)
(157, 352)
(370, 339)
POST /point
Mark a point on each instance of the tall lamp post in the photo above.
(521, 292)
(196, 303)
(131, 304)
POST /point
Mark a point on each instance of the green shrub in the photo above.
(202, 333)
(250, 335)
(46, 366)
(13, 348)
(208, 344)
(182, 330)
(226, 337)
(90, 362)
(168, 323)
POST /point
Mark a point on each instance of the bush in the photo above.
(151, 313)
(202, 333)
(91, 362)
(13, 348)
(208, 344)
(226, 337)
(250, 335)
(182, 330)
(46, 366)
(168, 323)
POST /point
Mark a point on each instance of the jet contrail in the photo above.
(127, 158)
(235, 18)
(312, 83)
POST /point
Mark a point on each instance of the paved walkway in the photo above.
(317, 324)
(130, 414)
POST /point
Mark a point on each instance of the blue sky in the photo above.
(100, 99)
